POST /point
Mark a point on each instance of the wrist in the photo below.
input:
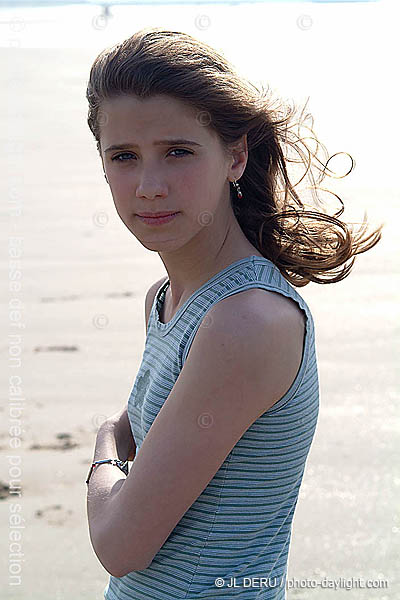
(122, 465)
(116, 440)
(105, 442)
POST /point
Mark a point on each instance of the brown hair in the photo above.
(306, 245)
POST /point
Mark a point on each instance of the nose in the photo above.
(150, 187)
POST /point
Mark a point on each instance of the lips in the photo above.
(156, 215)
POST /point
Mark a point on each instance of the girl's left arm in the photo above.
(114, 440)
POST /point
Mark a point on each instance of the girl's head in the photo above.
(158, 156)
(159, 85)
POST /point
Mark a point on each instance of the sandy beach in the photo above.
(74, 333)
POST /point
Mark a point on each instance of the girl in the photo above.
(224, 407)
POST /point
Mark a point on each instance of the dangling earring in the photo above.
(239, 191)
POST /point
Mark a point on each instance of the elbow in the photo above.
(125, 567)
(109, 554)
(122, 565)
(111, 571)
(121, 572)
(129, 562)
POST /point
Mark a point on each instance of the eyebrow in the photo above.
(156, 143)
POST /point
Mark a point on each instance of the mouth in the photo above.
(156, 214)
(157, 218)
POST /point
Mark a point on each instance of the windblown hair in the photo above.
(306, 245)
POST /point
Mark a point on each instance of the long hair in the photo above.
(306, 245)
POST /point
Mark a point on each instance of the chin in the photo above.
(159, 245)
(156, 240)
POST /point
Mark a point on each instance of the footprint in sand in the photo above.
(119, 294)
(62, 298)
(54, 515)
(4, 490)
(56, 349)
(65, 443)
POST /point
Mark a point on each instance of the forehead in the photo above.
(143, 119)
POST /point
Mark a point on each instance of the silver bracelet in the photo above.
(123, 465)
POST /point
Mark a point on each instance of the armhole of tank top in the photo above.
(306, 340)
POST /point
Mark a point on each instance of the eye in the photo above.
(129, 154)
(181, 150)
(118, 156)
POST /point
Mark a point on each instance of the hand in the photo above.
(124, 440)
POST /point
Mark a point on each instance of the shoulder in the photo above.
(254, 310)
(150, 295)
(255, 335)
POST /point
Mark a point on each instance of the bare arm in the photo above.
(104, 482)
(114, 440)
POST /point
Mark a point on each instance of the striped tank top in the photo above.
(233, 541)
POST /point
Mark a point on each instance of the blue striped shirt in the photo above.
(233, 541)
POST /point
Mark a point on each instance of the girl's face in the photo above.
(149, 173)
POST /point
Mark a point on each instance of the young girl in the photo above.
(224, 407)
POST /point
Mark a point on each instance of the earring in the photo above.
(239, 191)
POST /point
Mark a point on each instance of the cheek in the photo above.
(196, 188)
(121, 189)
(121, 204)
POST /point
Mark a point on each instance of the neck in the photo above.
(194, 264)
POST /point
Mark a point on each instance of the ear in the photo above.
(239, 152)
